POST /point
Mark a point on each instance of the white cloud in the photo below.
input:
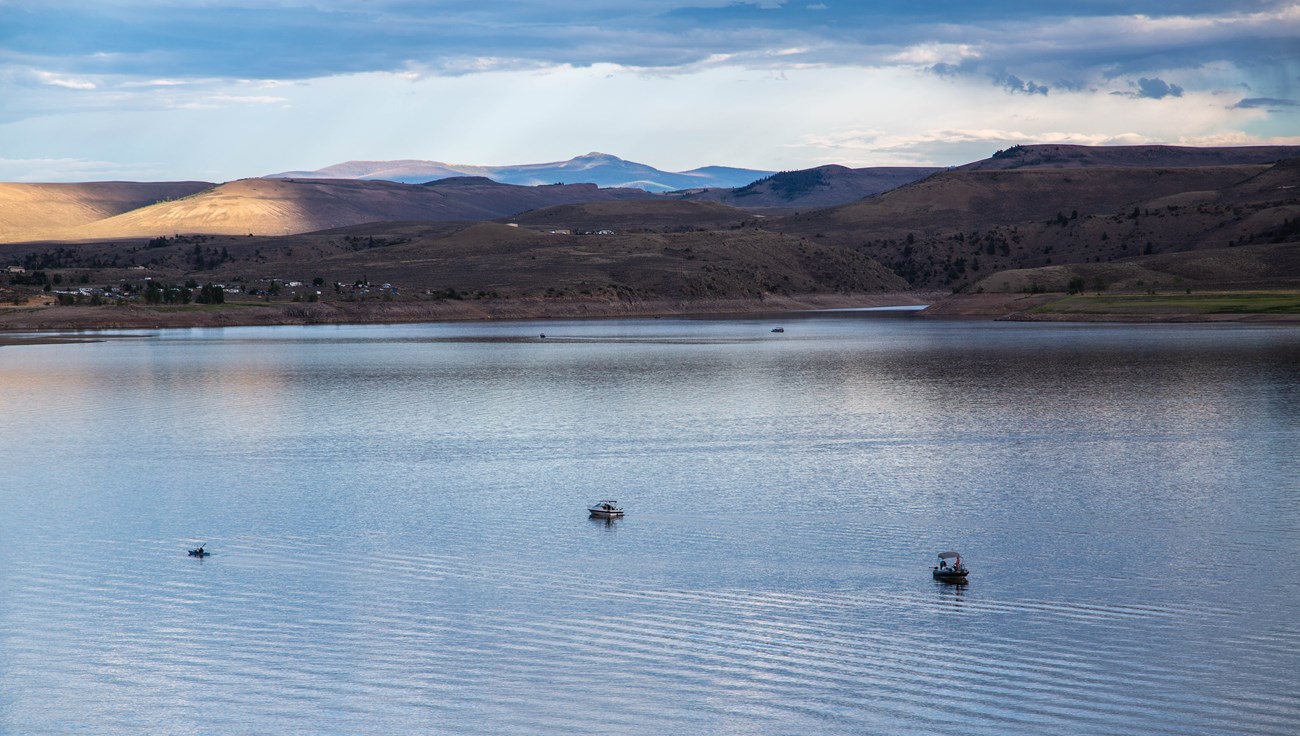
(973, 124)
(155, 83)
(248, 99)
(68, 169)
(929, 54)
(53, 80)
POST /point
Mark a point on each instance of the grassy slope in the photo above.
(1264, 302)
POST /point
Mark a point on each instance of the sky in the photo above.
(218, 90)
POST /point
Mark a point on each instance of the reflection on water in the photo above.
(401, 541)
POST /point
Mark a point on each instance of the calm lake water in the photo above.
(397, 516)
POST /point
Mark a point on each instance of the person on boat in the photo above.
(943, 564)
(200, 551)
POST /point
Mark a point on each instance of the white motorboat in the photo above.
(606, 509)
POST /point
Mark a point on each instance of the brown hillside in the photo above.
(958, 227)
(427, 259)
(507, 260)
(288, 206)
(824, 186)
(32, 211)
(1248, 267)
(1053, 156)
(962, 200)
(643, 214)
(1280, 182)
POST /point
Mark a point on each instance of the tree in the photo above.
(211, 294)
(1076, 285)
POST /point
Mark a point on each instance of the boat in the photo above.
(954, 572)
(778, 329)
(606, 509)
(200, 552)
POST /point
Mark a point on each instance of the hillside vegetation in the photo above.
(958, 227)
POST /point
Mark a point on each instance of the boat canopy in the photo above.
(948, 555)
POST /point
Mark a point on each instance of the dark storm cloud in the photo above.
(1157, 89)
(1012, 83)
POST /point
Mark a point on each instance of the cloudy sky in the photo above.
(224, 89)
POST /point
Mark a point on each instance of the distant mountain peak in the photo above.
(461, 181)
(595, 167)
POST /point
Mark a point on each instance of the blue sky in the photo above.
(218, 90)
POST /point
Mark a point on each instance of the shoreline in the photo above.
(82, 319)
(72, 324)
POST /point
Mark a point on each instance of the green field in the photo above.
(1245, 302)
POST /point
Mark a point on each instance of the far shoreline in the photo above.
(55, 324)
(81, 323)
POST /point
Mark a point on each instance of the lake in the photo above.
(397, 516)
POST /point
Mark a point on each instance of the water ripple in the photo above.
(490, 647)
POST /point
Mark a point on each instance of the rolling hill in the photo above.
(642, 215)
(954, 229)
(1060, 156)
(975, 199)
(429, 260)
(289, 206)
(824, 186)
(33, 211)
(518, 261)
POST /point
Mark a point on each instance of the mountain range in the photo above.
(1031, 218)
(600, 169)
